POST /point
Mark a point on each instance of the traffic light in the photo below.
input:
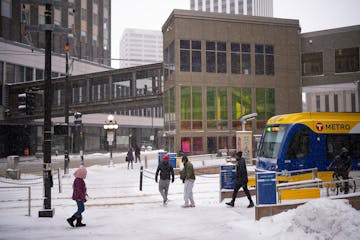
(26, 103)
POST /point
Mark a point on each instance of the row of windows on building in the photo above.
(214, 112)
(332, 103)
(346, 60)
(216, 57)
(18, 73)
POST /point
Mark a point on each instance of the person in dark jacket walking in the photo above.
(130, 157)
(137, 154)
(241, 180)
(342, 166)
(79, 195)
(165, 170)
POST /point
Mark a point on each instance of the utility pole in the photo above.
(47, 211)
(66, 109)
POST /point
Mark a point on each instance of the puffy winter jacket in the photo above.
(241, 176)
(79, 190)
(165, 170)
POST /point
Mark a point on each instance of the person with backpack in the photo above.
(165, 169)
(241, 180)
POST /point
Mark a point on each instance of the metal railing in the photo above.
(29, 195)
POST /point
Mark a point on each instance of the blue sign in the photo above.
(227, 173)
(172, 159)
(266, 188)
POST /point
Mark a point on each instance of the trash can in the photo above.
(13, 162)
(12, 170)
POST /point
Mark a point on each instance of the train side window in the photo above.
(334, 143)
(299, 145)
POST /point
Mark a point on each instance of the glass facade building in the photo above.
(221, 67)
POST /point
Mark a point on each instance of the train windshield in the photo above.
(271, 141)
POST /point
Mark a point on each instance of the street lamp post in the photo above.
(110, 126)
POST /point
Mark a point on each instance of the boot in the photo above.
(231, 203)
(71, 220)
(251, 204)
(79, 223)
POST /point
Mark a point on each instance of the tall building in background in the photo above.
(246, 7)
(90, 22)
(140, 47)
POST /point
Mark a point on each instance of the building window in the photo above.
(25, 14)
(39, 74)
(353, 104)
(196, 94)
(336, 103)
(347, 60)
(318, 103)
(327, 108)
(221, 57)
(269, 60)
(41, 13)
(185, 55)
(312, 64)
(28, 74)
(264, 59)
(265, 103)
(246, 58)
(196, 56)
(10, 73)
(6, 8)
(241, 105)
(235, 58)
(216, 57)
(211, 107)
(185, 108)
(198, 145)
(210, 57)
(259, 59)
(57, 16)
(216, 6)
(190, 55)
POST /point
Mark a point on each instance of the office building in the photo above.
(140, 47)
(245, 7)
(219, 67)
(330, 70)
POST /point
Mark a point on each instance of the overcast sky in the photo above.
(151, 14)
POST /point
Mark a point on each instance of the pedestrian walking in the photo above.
(241, 180)
(166, 170)
(79, 195)
(187, 175)
(130, 157)
(137, 154)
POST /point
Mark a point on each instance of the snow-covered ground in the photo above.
(117, 209)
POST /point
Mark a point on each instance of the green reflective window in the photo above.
(211, 103)
(265, 103)
(222, 104)
(185, 103)
(197, 103)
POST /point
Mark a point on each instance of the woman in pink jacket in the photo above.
(79, 195)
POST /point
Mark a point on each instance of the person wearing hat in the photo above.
(342, 166)
(165, 170)
(241, 180)
(187, 174)
(79, 195)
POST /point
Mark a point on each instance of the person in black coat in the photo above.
(241, 180)
(342, 166)
(165, 170)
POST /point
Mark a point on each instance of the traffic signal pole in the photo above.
(47, 211)
(66, 109)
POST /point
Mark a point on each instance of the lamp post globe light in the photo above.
(110, 126)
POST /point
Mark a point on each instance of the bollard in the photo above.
(59, 180)
(145, 161)
(141, 177)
